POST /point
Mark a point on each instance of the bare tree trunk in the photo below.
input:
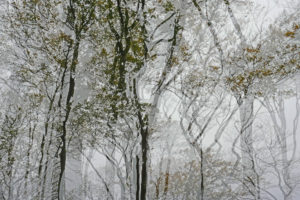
(110, 170)
(144, 175)
(74, 183)
(137, 171)
(202, 175)
(246, 142)
(284, 151)
(58, 183)
(167, 174)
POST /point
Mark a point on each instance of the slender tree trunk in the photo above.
(246, 142)
(137, 169)
(144, 175)
(110, 170)
(284, 152)
(58, 180)
(74, 183)
(10, 162)
(280, 129)
(202, 175)
(167, 176)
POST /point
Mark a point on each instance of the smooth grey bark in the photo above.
(74, 176)
(110, 169)
(250, 177)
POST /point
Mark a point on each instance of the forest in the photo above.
(149, 100)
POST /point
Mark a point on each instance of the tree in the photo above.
(260, 78)
(48, 36)
(133, 45)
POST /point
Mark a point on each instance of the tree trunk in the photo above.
(110, 170)
(74, 181)
(58, 183)
(144, 174)
(284, 152)
(246, 142)
(137, 171)
(202, 175)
